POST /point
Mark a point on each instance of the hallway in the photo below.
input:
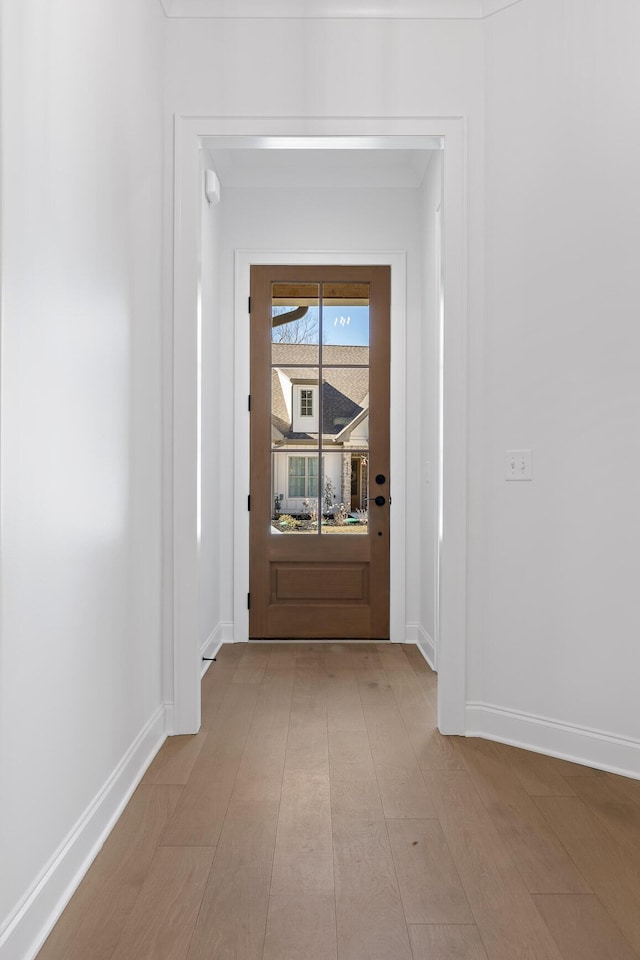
(319, 814)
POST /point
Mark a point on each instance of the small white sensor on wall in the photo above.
(211, 186)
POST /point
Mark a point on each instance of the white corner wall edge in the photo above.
(26, 930)
(223, 633)
(592, 748)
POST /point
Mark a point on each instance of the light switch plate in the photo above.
(518, 465)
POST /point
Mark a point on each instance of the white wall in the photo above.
(318, 68)
(430, 201)
(345, 219)
(562, 619)
(209, 560)
(81, 390)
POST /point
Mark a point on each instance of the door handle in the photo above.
(379, 500)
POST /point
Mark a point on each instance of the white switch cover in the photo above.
(518, 465)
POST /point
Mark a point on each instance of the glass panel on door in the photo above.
(345, 413)
(320, 407)
(295, 321)
(345, 444)
(295, 491)
(345, 322)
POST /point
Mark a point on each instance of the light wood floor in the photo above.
(320, 815)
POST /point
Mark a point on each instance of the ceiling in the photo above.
(319, 168)
(336, 9)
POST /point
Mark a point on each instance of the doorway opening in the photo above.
(395, 263)
(280, 221)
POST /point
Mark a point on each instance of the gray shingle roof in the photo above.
(292, 354)
(345, 389)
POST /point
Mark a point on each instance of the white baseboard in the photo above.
(411, 633)
(168, 720)
(593, 748)
(415, 633)
(427, 648)
(223, 633)
(26, 929)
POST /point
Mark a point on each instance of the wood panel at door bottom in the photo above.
(336, 583)
(318, 621)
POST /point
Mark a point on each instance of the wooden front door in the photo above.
(319, 525)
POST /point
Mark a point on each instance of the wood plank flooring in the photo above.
(319, 815)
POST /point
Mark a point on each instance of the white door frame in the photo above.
(180, 436)
(397, 459)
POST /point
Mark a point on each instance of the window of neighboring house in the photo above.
(303, 476)
(306, 403)
(304, 408)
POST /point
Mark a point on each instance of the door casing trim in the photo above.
(397, 260)
(181, 660)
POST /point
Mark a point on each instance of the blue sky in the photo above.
(343, 326)
(346, 326)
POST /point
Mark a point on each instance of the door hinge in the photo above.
(249, 403)
(248, 304)
(249, 502)
(248, 601)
